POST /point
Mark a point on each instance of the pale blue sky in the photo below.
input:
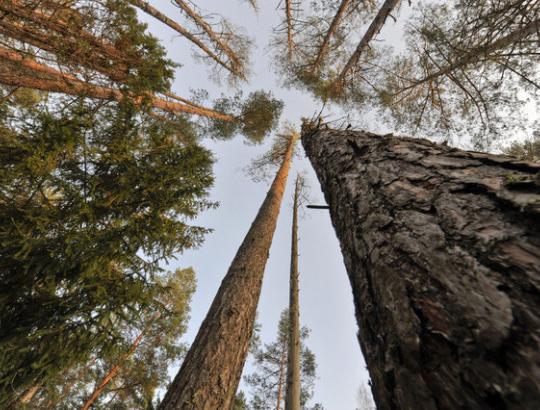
(326, 299)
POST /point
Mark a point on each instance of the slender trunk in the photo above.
(15, 8)
(112, 374)
(442, 249)
(280, 378)
(373, 29)
(210, 373)
(29, 394)
(476, 54)
(323, 48)
(292, 399)
(290, 43)
(56, 81)
(215, 37)
(147, 8)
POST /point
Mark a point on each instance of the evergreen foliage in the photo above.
(271, 363)
(92, 199)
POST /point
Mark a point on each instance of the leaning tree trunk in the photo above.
(292, 398)
(442, 249)
(210, 373)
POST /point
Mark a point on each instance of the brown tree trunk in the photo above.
(290, 42)
(147, 8)
(482, 52)
(111, 374)
(210, 373)
(219, 40)
(292, 399)
(442, 249)
(373, 29)
(323, 49)
(29, 394)
(56, 81)
(280, 378)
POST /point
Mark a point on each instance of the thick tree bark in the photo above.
(292, 398)
(442, 249)
(210, 373)
(374, 28)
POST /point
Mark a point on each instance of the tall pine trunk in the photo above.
(292, 398)
(442, 249)
(210, 373)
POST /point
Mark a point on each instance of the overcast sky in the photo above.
(325, 293)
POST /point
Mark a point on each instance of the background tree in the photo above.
(293, 388)
(210, 373)
(528, 150)
(93, 197)
(441, 249)
(268, 382)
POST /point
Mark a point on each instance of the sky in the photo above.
(326, 305)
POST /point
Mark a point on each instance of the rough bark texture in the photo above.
(292, 398)
(210, 373)
(442, 249)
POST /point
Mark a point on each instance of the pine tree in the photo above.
(292, 398)
(93, 198)
(441, 249)
(211, 371)
(268, 383)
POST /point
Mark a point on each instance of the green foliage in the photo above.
(240, 401)
(92, 198)
(257, 116)
(144, 372)
(271, 363)
(528, 150)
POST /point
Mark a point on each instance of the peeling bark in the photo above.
(442, 249)
(209, 376)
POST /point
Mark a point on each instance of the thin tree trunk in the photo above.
(290, 43)
(374, 28)
(111, 374)
(281, 377)
(14, 7)
(68, 84)
(442, 249)
(474, 55)
(210, 373)
(147, 8)
(215, 37)
(292, 399)
(323, 48)
(29, 394)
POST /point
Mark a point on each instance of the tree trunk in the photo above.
(147, 8)
(112, 374)
(292, 399)
(482, 52)
(323, 49)
(219, 40)
(210, 373)
(442, 249)
(281, 377)
(373, 29)
(56, 81)
(29, 394)
(290, 42)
